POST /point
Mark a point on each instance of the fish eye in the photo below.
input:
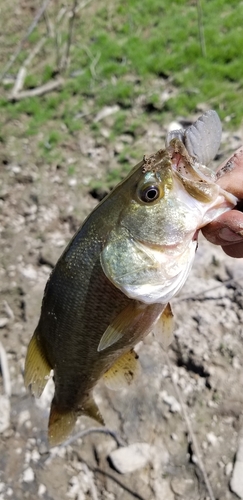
(149, 194)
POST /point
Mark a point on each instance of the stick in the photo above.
(64, 62)
(203, 292)
(86, 432)
(23, 70)
(5, 371)
(191, 432)
(25, 37)
(43, 89)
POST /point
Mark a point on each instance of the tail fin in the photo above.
(37, 368)
(61, 423)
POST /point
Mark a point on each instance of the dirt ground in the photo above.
(41, 207)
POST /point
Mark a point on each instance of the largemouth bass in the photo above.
(113, 283)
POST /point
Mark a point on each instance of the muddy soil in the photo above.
(41, 207)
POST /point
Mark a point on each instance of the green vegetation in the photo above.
(123, 50)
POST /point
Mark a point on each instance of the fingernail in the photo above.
(228, 235)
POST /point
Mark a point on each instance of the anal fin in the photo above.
(123, 372)
(90, 409)
(164, 327)
(37, 368)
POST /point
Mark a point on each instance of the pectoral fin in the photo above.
(164, 327)
(37, 368)
(123, 372)
(119, 326)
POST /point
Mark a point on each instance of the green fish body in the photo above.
(112, 285)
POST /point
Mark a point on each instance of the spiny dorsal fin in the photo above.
(202, 138)
(37, 368)
(164, 327)
(123, 372)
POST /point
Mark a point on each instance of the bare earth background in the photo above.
(41, 205)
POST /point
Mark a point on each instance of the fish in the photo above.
(113, 284)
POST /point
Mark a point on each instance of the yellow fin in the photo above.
(37, 368)
(118, 327)
(123, 372)
(60, 425)
(164, 327)
(91, 409)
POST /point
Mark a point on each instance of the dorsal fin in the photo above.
(202, 138)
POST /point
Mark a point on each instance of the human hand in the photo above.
(227, 229)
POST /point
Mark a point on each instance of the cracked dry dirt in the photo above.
(41, 206)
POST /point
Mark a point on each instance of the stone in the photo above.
(130, 458)
(236, 482)
(4, 413)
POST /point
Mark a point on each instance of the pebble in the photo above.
(28, 475)
(3, 322)
(41, 490)
(236, 482)
(228, 469)
(130, 458)
(4, 413)
(212, 439)
(171, 401)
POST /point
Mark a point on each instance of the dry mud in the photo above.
(41, 207)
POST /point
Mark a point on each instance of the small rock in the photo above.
(4, 413)
(29, 272)
(181, 486)
(228, 469)
(28, 475)
(3, 322)
(41, 490)
(130, 458)
(212, 439)
(236, 482)
(171, 401)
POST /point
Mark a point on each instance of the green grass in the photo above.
(122, 50)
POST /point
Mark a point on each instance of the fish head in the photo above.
(168, 198)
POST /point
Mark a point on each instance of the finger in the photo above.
(232, 179)
(235, 250)
(226, 230)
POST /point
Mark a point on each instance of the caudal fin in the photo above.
(37, 369)
(61, 423)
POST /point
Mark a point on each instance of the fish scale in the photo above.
(112, 285)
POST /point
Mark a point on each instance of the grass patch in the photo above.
(122, 51)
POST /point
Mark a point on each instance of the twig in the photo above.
(5, 371)
(191, 432)
(203, 292)
(25, 37)
(86, 432)
(65, 59)
(201, 28)
(43, 89)
(23, 70)
(8, 310)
